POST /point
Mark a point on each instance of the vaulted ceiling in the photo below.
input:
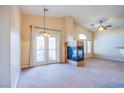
(85, 15)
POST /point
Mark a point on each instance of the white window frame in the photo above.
(89, 46)
(82, 37)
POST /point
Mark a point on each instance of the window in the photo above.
(40, 48)
(89, 46)
(52, 48)
(82, 36)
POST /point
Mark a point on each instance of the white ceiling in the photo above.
(85, 15)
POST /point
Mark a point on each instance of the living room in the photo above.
(38, 41)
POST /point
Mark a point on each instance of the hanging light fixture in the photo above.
(45, 33)
(48, 34)
(101, 27)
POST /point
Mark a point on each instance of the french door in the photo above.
(47, 49)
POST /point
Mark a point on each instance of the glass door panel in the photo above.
(52, 54)
(40, 49)
(52, 49)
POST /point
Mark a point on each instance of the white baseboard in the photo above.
(109, 58)
(23, 67)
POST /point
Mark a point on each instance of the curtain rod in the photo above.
(45, 28)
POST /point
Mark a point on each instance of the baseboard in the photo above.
(26, 67)
(4, 86)
(62, 62)
(109, 58)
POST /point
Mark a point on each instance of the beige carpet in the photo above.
(96, 73)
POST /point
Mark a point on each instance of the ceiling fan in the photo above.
(100, 26)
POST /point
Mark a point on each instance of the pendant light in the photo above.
(48, 34)
(45, 33)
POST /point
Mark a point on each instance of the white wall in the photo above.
(27, 20)
(81, 30)
(4, 46)
(105, 43)
(65, 24)
(69, 29)
(9, 45)
(15, 45)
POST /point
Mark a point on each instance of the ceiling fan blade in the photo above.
(105, 28)
(108, 26)
(94, 29)
(97, 30)
(92, 24)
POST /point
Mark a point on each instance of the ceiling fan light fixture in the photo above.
(101, 28)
